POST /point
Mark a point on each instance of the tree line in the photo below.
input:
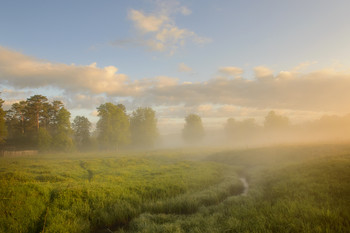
(39, 124)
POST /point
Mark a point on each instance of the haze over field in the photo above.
(161, 116)
(220, 60)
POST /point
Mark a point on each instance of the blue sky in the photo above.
(182, 42)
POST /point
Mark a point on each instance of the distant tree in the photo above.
(240, 130)
(62, 139)
(274, 121)
(113, 126)
(193, 130)
(231, 126)
(143, 127)
(81, 127)
(3, 129)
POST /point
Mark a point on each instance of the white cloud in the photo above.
(158, 31)
(185, 11)
(184, 68)
(164, 81)
(303, 66)
(263, 72)
(94, 113)
(146, 23)
(231, 70)
(22, 71)
(323, 91)
(84, 101)
(10, 93)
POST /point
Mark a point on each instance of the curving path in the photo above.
(114, 228)
(245, 185)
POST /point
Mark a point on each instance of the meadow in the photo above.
(291, 189)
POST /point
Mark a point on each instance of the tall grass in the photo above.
(83, 193)
(293, 189)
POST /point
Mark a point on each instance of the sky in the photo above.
(218, 59)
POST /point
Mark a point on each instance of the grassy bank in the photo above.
(291, 189)
(83, 193)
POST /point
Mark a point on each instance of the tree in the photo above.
(122, 107)
(36, 111)
(143, 127)
(26, 119)
(274, 121)
(15, 118)
(62, 139)
(193, 130)
(81, 126)
(113, 126)
(52, 115)
(16, 124)
(3, 129)
(241, 131)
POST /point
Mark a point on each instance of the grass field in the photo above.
(291, 189)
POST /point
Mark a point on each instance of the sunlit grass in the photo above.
(79, 194)
(291, 189)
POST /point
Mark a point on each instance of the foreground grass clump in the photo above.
(82, 193)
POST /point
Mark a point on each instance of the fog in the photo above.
(38, 124)
(276, 129)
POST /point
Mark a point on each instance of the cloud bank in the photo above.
(21, 71)
(323, 90)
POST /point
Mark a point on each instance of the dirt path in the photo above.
(245, 185)
(118, 226)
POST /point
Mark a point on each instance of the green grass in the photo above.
(82, 193)
(291, 189)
